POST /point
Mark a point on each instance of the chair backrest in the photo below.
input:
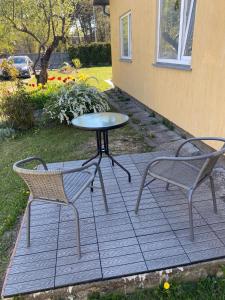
(209, 164)
(44, 185)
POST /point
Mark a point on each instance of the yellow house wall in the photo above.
(194, 100)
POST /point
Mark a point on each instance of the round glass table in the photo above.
(101, 123)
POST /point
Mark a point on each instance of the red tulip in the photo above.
(59, 78)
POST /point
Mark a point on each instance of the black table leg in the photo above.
(98, 140)
(102, 140)
(114, 161)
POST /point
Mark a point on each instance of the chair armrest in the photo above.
(30, 159)
(199, 139)
(74, 170)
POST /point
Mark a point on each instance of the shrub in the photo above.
(92, 54)
(40, 96)
(75, 99)
(76, 63)
(17, 109)
(8, 70)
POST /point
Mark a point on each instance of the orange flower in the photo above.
(59, 78)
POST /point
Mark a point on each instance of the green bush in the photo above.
(8, 70)
(41, 96)
(75, 99)
(93, 54)
(17, 109)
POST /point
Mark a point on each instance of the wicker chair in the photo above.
(58, 186)
(182, 172)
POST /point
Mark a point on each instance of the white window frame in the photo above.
(183, 35)
(129, 56)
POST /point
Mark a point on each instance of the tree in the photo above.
(90, 25)
(6, 38)
(83, 14)
(47, 22)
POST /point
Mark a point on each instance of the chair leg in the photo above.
(213, 194)
(28, 222)
(190, 194)
(103, 189)
(141, 191)
(77, 230)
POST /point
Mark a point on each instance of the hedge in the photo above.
(93, 54)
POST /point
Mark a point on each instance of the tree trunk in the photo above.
(42, 77)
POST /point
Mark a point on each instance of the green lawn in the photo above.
(205, 289)
(101, 73)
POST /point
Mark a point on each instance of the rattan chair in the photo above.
(58, 186)
(182, 172)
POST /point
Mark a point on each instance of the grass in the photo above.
(101, 73)
(210, 288)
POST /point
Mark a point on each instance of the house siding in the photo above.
(194, 100)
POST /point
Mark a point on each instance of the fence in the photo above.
(56, 61)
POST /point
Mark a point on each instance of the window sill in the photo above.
(127, 60)
(172, 66)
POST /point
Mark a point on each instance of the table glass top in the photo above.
(95, 121)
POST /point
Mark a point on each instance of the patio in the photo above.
(118, 243)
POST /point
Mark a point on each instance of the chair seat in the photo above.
(179, 173)
(74, 182)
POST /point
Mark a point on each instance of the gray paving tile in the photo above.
(167, 262)
(73, 259)
(197, 230)
(32, 266)
(152, 230)
(150, 223)
(30, 286)
(117, 243)
(123, 270)
(202, 237)
(78, 267)
(207, 254)
(119, 228)
(121, 260)
(158, 245)
(116, 236)
(162, 253)
(30, 276)
(36, 249)
(203, 245)
(80, 277)
(112, 223)
(156, 237)
(42, 256)
(73, 250)
(108, 253)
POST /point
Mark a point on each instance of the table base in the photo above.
(102, 139)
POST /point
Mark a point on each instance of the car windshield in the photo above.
(18, 60)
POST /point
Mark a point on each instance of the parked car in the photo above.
(23, 64)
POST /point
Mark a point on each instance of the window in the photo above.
(125, 36)
(175, 31)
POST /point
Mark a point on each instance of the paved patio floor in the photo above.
(118, 243)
